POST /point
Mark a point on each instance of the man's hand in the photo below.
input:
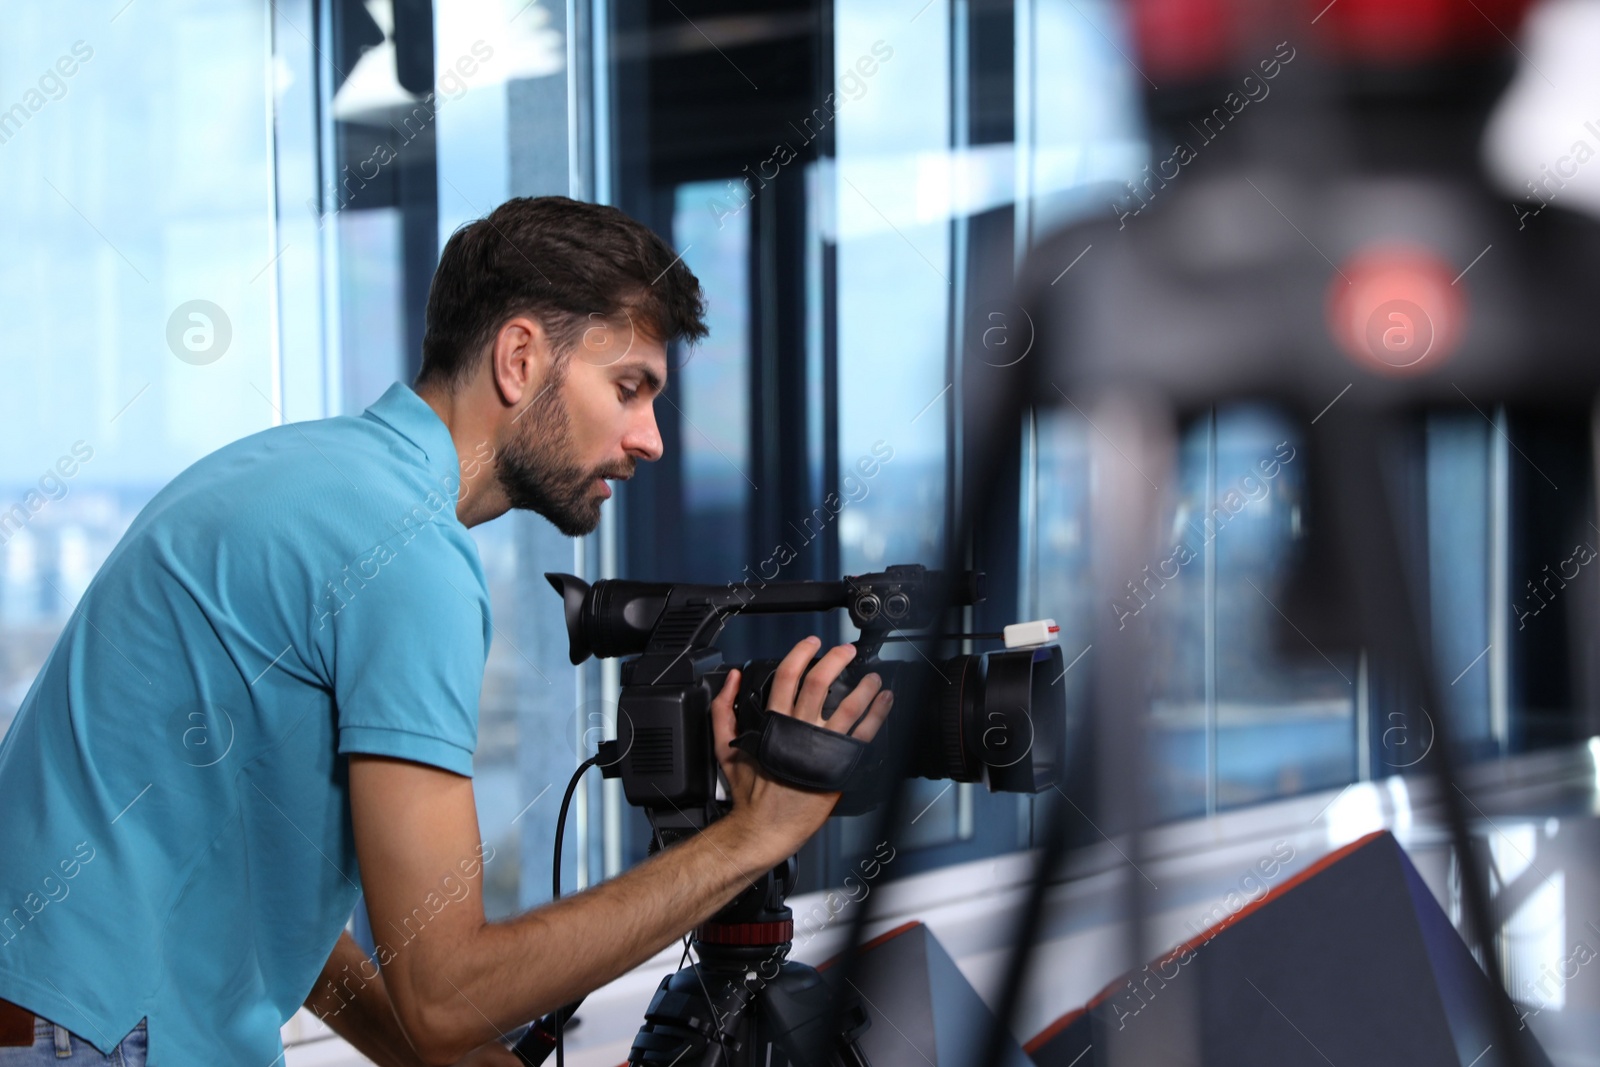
(781, 817)
(457, 981)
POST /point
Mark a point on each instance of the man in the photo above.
(266, 702)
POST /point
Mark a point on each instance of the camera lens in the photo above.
(994, 716)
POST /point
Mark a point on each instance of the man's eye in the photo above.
(629, 394)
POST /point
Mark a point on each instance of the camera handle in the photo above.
(800, 754)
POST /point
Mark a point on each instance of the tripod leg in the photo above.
(696, 1019)
(809, 1020)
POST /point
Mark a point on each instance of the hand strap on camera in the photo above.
(799, 754)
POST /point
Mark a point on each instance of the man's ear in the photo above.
(520, 359)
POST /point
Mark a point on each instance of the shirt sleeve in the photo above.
(410, 637)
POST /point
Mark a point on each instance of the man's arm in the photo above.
(358, 1009)
(457, 981)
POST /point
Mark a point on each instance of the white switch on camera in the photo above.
(1038, 632)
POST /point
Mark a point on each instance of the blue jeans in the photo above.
(53, 1045)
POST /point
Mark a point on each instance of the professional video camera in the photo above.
(998, 717)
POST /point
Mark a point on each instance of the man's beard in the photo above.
(537, 472)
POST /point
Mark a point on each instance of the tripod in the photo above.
(744, 1002)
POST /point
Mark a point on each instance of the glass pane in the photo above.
(1057, 583)
(893, 298)
(893, 282)
(1078, 110)
(712, 387)
(1546, 621)
(1285, 713)
(1460, 535)
(371, 287)
(1174, 587)
(137, 235)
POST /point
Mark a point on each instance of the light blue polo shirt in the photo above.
(175, 838)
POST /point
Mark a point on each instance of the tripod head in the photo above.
(744, 1001)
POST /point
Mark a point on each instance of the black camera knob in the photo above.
(897, 606)
(868, 605)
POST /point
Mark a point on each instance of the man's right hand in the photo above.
(779, 818)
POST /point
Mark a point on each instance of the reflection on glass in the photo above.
(893, 282)
(893, 299)
(1237, 715)
(1078, 121)
(371, 286)
(1285, 713)
(1173, 587)
(713, 387)
(1538, 960)
(116, 226)
(1459, 572)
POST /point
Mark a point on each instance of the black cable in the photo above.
(555, 889)
(561, 824)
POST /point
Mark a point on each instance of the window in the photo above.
(138, 256)
(208, 249)
(713, 387)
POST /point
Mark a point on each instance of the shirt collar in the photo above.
(408, 415)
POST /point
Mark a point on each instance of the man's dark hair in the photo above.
(562, 262)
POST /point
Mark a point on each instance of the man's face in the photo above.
(594, 420)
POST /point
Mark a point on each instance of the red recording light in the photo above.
(1394, 309)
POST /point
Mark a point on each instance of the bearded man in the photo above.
(265, 705)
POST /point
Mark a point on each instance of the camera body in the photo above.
(998, 717)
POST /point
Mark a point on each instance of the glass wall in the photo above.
(1246, 707)
(225, 215)
(137, 252)
(228, 215)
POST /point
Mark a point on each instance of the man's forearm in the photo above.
(521, 968)
(458, 980)
(358, 1009)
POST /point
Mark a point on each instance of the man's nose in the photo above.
(643, 439)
